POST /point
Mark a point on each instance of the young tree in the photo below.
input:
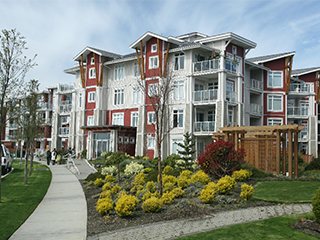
(13, 68)
(30, 121)
(157, 90)
(187, 149)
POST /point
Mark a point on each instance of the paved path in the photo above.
(178, 228)
(62, 214)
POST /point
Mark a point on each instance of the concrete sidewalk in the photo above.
(62, 214)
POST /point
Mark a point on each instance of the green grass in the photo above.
(18, 201)
(286, 191)
(274, 228)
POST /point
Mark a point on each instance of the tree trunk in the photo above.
(118, 168)
(26, 169)
(31, 161)
(1, 163)
(159, 169)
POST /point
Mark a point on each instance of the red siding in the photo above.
(92, 81)
(90, 105)
(155, 71)
(277, 65)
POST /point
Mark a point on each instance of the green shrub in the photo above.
(133, 168)
(167, 169)
(112, 158)
(186, 174)
(93, 176)
(316, 205)
(313, 165)
(246, 192)
(84, 154)
(200, 177)
(147, 170)
(152, 176)
(256, 173)
(99, 182)
(170, 160)
(104, 205)
(241, 175)
(226, 184)
(136, 188)
(152, 204)
(126, 204)
(111, 170)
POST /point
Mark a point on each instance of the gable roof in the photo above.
(304, 71)
(87, 50)
(269, 58)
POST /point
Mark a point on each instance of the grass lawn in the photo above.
(286, 191)
(274, 228)
(18, 201)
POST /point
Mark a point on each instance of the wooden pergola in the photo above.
(264, 146)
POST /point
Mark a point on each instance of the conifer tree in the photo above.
(187, 149)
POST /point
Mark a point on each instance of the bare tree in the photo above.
(13, 68)
(158, 90)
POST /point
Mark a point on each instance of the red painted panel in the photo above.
(276, 65)
(150, 154)
(155, 71)
(126, 117)
(90, 105)
(92, 81)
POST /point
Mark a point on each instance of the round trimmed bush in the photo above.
(104, 205)
(126, 204)
(98, 182)
(152, 204)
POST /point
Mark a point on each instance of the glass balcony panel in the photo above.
(205, 126)
(205, 95)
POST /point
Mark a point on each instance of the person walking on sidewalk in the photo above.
(53, 156)
(48, 156)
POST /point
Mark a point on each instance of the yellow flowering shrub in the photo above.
(168, 186)
(246, 192)
(226, 184)
(178, 192)
(116, 189)
(211, 186)
(106, 194)
(183, 182)
(168, 198)
(167, 169)
(147, 170)
(186, 174)
(140, 179)
(106, 187)
(201, 177)
(151, 187)
(110, 179)
(148, 195)
(206, 195)
(168, 178)
(104, 205)
(126, 204)
(241, 175)
(152, 204)
(136, 188)
(98, 182)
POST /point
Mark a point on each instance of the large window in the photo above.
(178, 118)
(178, 92)
(153, 62)
(179, 61)
(136, 95)
(151, 118)
(119, 72)
(153, 89)
(134, 119)
(91, 96)
(151, 142)
(90, 121)
(92, 73)
(275, 103)
(275, 79)
(274, 121)
(118, 96)
(175, 146)
(117, 119)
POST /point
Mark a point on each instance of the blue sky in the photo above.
(57, 30)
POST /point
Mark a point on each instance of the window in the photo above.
(91, 96)
(275, 103)
(118, 96)
(153, 89)
(151, 142)
(136, 71)
(120, 139)
(178, 118)
(154, 48)
(117, 119)
(92, 60)
(179, 61)
(90, 121)
(178, 92)
(230, 118)
(92, 73)
(151, 118)
(134, 119)
(80, 100)
(153, 62)
(126, 139)
(136, 95)
(132, 140)
(274, 121)
(175, 146)
(275, 79)
(239, 60)
(234, 50)
(119, 72)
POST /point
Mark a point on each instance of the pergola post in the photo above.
(296, 174)
(284, 153)
(278, 152)
(290, 153)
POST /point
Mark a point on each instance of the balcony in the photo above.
(255, 109)
(64, 130)
(231, 96)
(301, 89)
(12, 136)
(231, 66)
(205, 96)
(256, 85)
(66, 87)
(303, 135)
(297, 112)
(45, 105)
(65, 108)
(206, 67)
(205, 127)
(13, 125)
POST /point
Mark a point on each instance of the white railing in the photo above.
(256, 84)
(64, 120)
(231, 96)
(301, 88)
(206, 65)
(66, 87)
(45, 105)
(65, 108)
(231, 66)
(205, 126)
(255, 108)
(232, 124)
(66, 102)
(297, 111)
(205, 95)
(64, 130)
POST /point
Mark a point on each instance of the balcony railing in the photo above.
(297, 111)
(300, 88)
(64, 130)
(232, 66)
(66, 87)
(232, 124)
(65, 108)
(13, 125)
(256, 84)
(255, 108)
(205, 95)
(45, 105)
(231, 96)
(206, 65)
(205, 126)
(303, 136)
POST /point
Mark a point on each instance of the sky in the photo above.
(57, 30)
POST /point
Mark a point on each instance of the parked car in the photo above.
(6, 160)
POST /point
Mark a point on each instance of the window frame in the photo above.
(179, 59)
(92, 61)
(154, 48)
(274, 119)
(272, 97)
(90, 120)
(178, 90)
(151, 141)
(177, 115)
(118, 116)
(174, 150)
(153, 118)
(152, 64)
(153, 88)
(135, 95)
(270, 84)
(119, 72)
(91, 96)
(134, 119)
(92, 73)
(118, 97)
